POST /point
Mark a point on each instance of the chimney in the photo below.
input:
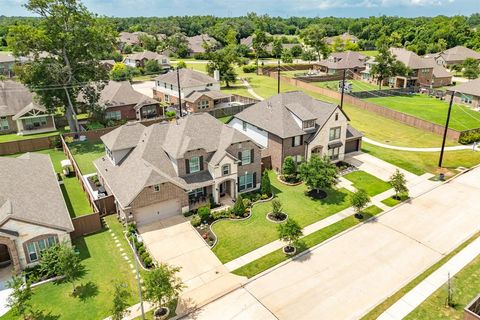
(216, 75)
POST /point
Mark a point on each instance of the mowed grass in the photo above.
(357, 85)
(14, 137)
(365, 181)
(465, 284)
(422, 162)
(85, 153)
(431, 109)
(270, 260)
(236, 238)
(392, 202)
(104, 266)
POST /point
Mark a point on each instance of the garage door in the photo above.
(157, 212)
(351, 146)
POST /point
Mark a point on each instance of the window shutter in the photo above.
(301, 140)
(187, 166)
(238, 184)
(201, 163)
(252, 156)
(240, 158)
(204, 191)
(254, 179)
(293, 141)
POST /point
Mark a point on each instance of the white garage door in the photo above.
(157, 212)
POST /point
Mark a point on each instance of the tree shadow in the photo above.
(68, 202)
(303, 252)
(43, 315)
(275, 190)
(86, 291)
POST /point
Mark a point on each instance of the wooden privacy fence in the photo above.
(383, 111)
(29, 145)
(86, 224)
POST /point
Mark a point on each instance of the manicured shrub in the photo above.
(469, 137)
(266, 186)
(131, 228)
(148, 262)
(196, 220)
(170, 114)
(249, 68)
(221, 214)
(204, 213)
(141, 251)
(289, 168)
(264, 196)
(247, 203)
(188, 214)
(145, 255)
(239, 208)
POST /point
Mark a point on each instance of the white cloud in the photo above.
(329, 4)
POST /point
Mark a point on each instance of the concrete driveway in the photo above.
(349, 275)
(174, 241)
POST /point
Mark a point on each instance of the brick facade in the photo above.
(169, 191)
(256, 164)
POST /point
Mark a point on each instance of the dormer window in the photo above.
(309, 124)
(195, 164)
(156, 188)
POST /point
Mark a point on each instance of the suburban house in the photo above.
(295, 124)
(196, 44)
(130, 38)
(140, 58)
(20, 113)
(7, 61)
(454, 56)
(248, 41)
(122, 102)
(171, 168)
(441, 76)
(166, 85)
(337, 62)
(206, 100)
(107, 64)
(467, 93)
(33, 213)
(344, 37)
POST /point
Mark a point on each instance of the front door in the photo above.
(223, 188)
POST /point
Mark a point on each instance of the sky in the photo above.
(284, 8)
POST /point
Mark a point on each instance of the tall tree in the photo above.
(387, 66)
(318, 173)
(66, 47)
(259, 43)
(223, 60)
(313, 36)
(471, 68)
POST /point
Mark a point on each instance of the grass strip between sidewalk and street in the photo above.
(382, 307)
(272, 259)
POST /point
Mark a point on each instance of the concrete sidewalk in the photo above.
(251, 91)
(427, 287)
(434, 149)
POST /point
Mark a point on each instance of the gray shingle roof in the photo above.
(344, 60)
(458, 53)
(30, 192)
(121, 93)
(411, 59)
(125, 137)
(14, 97)
(274, 115)
(148, 55)
(195, 43)
(471, 87)
(188, 78)
(7, 58)
(195, 95)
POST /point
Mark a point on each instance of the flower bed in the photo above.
(141, 253)
(289, 182)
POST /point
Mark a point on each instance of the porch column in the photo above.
(19, 126)
(216, 193)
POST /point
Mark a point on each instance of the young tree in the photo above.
(359, 201)
(181, 64)
(398, 183)
(239, 208)
(152, 66)
(277, 209)
(19, 299)
(277, 48)
(259, 43)
(289, 232)
(387, 66)
(314, 36)
(289, 168)
(287, 56)
(162, 285)
(471, 68)
(318, 173)
(120, 304)
(74, 41)
(266, 186)
(69, 264)
(120, 72)
(296, 51)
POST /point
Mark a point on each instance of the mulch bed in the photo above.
(317, 195)
(273, 218)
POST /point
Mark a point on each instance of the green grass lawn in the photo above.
(370, 53)
(225, 119)
(236, 238)
(371, 184)
(277, 256)
(85, 153)
(14, 137)
(237, 88)
(466, 286)
(104, 266)
(431, 109)
(392, 202)
(422, 162)
(357, 85)
(379, 309)
(194, 65)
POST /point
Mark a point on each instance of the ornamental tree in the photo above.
(289, 232)
(387, 66)
(19, 299)
(119, 301)
(359, 201)
(318, 173)
(289, 167)
(162, 285)
(398, 183)
(266, 186)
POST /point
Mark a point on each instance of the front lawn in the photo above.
(431, 109)
(104, 266)
(392, 202)
(272, 259)
(236, 238)
(365, 181)
(85, 153)
(422, 162)
(15, 137)
(465, 285)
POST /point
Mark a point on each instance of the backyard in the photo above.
(357, 85)
(15, 137)
(236, 238)
(431, 109)
(85, 153)
(104, 266)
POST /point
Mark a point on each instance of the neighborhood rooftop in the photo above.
(188, 78)
(16, 99)
(120, 93)
(411, 59)
(472, 87)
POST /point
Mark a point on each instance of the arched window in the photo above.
(34, 247)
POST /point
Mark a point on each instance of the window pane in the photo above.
(245, 157)
(32, 253)
(194, 164)
(42, 244)
(51, 241)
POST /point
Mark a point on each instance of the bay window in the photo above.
(35, 247)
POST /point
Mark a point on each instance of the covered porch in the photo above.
(34, 119)
(225, 192)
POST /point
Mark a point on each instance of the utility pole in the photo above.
(278, 77)
(179, 92)
(343, 87)
(446, 129)
(138, 279)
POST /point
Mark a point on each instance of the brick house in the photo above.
(453, 56)
(337, 62)
(206, 100)
(33, 213)
(294, 124)
(422, 69)
(139, 59)
(166, 85)
(122, 102)
(168, 168)
(467, 93)
(196, 44)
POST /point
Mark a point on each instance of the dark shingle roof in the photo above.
(188, 78)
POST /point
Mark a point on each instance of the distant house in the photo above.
(166, 85)
(139, 59)
(248, 41)
(337, 62)
(454, 56)
(206, 100)
(7, 61)
(422, 69)
(196, 44)
(171, 168)
(20, 113)
(297, 125)
(441, 76)
(107, 64)
(122, 102)
(345, 37)
(33, 213)
(130, 38)
(468, 93)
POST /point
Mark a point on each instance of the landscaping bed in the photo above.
(142, 255)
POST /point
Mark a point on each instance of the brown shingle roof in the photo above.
(411, 59)
(471, 87)
(195, 43)
(14, 97)
(195, 95)
(458, 53)
(121, 93)
(188, 78)
(147, 55)
(344, 60)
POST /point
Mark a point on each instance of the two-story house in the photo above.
(453, 56)
(295, 124)
(139, 59)
(421, 68)
(168, 168)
